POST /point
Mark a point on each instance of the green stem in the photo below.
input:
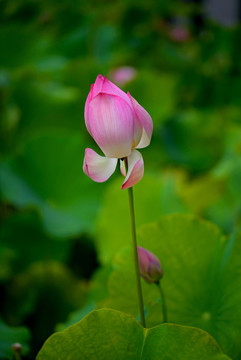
(135, 256)
(17, 354)
(164, 306)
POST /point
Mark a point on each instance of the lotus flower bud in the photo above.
(119, 125)
(150, 266)
(179, 34)
(16, 348)
(115, 120)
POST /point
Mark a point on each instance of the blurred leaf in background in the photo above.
(10, 336)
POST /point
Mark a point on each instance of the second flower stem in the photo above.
(135, 256)
(164, 307)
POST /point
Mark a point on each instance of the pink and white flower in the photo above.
(119, 125)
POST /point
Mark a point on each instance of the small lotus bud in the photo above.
(122, 75)
(179, 34)
(16, 347)
(150, 266)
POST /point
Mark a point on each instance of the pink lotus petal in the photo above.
(89, 98)
(104, 86)
(135, 170)
(97, 86)
(98, 168)
(112, 89)
(146, 122)
(111, 122)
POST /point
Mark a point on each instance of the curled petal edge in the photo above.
(105, 86)
(98, 168)
(146, 122)
(135, 169)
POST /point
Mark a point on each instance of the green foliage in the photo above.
(45, 281)
(161, 197)
(184, 144)
(108, 334)
(46, 175)
(46, 293)
(144, 87)
(23, 230)
(97, 294)
(10, 336)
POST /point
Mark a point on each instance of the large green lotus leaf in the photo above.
(9, 336)
(47, 175)
(153, 195)
(109, 334)
(201, 278)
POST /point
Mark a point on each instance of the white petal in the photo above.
(135, 169)
(123, 167)
(146, 122)
(98, 168)
(145, 140)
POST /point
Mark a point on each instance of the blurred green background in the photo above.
(58, 228)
